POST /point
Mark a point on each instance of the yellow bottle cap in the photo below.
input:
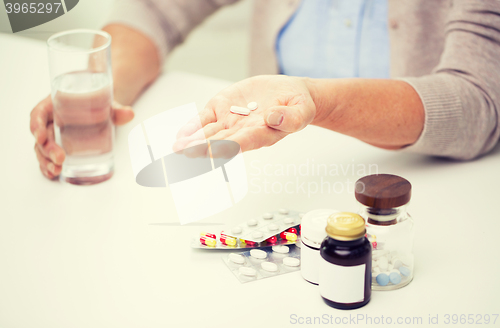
(345, 226)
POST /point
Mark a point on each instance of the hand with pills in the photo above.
(256, 112)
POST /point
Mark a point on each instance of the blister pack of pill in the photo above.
(258, 264)
(265, 226)
(208, 240)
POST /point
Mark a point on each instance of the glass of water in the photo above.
(82, 95)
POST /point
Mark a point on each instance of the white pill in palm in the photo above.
(252, 105)
(246, 271)
(281, 249)
(257, 234)
(252, 222)
(236, 230)
(236, 258)
(288, 220)
(239, 110)
(283, 211)
(273, 227)
(269, 266)
(291, 261)
(267, 216)
(258, 254)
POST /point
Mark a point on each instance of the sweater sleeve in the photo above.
(462, 97)
(166, 22)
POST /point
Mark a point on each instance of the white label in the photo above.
(310, 263)
(342, 284)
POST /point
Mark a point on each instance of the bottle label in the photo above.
(310, 259)
(342, 284)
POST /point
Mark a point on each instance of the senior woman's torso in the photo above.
(416, 30)
(336, 39)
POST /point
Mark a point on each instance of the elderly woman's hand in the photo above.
(49, 154)
(284, 106)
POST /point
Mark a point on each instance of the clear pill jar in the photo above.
(345, 266)
(389, 228)
(312, 234)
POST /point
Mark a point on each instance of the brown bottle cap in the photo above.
(383, 191)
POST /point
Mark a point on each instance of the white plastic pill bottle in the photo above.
(312, 233)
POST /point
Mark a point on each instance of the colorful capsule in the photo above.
(227, 240)
(248, 242)
(290, 236)
(272, 240)
(291, 230)
(208, 235)
(208, 241)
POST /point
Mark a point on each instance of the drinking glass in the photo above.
(82, 95)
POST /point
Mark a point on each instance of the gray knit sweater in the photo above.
(448, 50)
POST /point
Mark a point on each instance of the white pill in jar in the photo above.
(267, 216)
(236, 258)
(378, 253)
(273, 227)
(291, 261)
(281, 249)
(257, 234)
(236, 230)
(239, 110)
(252, 222)
(258, 254)
(246, 271)
(269, 266)
(252, 105)
(396, 263)
(283, 211)
(288, 220)
(383, 264)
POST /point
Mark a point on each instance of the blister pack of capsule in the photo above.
(208, 240)
(265, 226)
(258, 264)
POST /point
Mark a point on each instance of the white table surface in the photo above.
(113, 254)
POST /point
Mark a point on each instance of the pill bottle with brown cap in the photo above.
(345, 265)
(389, 227)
